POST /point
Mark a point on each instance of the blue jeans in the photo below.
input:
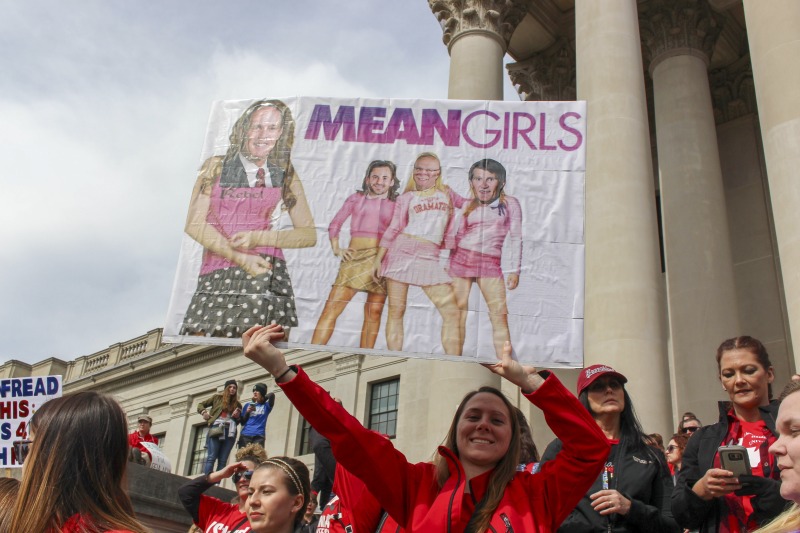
(217, 448)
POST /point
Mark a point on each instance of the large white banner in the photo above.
(401, 227)
(19, 399)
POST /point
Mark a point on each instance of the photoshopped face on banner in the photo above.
(423, 228)
(19, 400)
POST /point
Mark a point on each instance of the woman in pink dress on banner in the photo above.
(370, 210)
(236, 203)
(489, 222)
(409, 252)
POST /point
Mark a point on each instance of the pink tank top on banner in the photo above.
(236, 209)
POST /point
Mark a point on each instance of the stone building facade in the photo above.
(692, 219)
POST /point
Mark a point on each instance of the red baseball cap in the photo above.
(591, 373)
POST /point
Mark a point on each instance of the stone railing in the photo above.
(121, 352)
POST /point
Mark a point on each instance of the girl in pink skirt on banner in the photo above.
(370, 210)
(421, 227)
(489, 222)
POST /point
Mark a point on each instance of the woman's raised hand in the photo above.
(258, 347)
(525, 377)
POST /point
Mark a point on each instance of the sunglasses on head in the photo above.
(247, 474)
(21, 449)
(602, 384)
(690, 429)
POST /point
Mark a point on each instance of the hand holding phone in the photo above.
(735, 459)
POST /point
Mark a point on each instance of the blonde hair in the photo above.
(786, 522)
(411, 185)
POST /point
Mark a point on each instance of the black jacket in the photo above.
(691, 511)
(640, 475)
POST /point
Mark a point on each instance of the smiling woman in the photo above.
(473, 484)
(708, 497)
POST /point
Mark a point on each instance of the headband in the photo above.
(286, 467)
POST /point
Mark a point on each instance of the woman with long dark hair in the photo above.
(473, 484)
(221, 412)
(633, 491)
(491, 220)
(236, 204)
(73, 479)
(710, 498)
(370, 211)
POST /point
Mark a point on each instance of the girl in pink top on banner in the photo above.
(421, 227)
(236, 204)
(489, 222)
(370, 210)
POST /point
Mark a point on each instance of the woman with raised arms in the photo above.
(473, 484)
(370, 210)
(409, 252)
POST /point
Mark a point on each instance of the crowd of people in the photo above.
(601, 473)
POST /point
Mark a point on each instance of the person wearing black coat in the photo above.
(633, 492)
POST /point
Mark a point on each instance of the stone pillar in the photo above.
(773, 30)
(476, 33)
(624, 314)
(678, 37)
(548, 75)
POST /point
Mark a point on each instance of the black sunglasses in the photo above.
(671, 447)
(690, 429)
(247, 474)
(602, 384)
(21, 449)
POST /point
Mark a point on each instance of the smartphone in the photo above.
(735, 459)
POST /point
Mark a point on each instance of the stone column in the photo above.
(679, 36)
(476, 33)
(624, 314)
(773, 30)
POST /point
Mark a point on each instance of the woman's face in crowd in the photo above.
(745, 380)
(266, 126)
(270, 506)
(484, 184)
(674, 453)
(379, 180)
(787, 448)
(232, 390)
(606, 395)
(244, 483)
(483, 432)
(426, 170)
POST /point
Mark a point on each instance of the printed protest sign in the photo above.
(19, 399)
(402, 227)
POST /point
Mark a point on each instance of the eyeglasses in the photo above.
(690, 429)
(426, 170)
(239, 475)
(602, 384)
(21, 449)
(672, 448)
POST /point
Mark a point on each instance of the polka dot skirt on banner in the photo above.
(229, 301)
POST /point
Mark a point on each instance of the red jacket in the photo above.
(410, 493)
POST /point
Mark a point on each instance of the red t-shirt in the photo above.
(213, 514)
(134, 439)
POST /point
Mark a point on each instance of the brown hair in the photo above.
(527, 450)
(680, 440)
(77, 464)
(494, 167)
(252, 452)
(754, 346)
(504, 471)
(394, 190)
(280, 155)
(296, 478)
(230, 401)
(9, 488)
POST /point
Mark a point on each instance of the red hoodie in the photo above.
(410, 493)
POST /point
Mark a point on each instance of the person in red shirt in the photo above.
(140, 454)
